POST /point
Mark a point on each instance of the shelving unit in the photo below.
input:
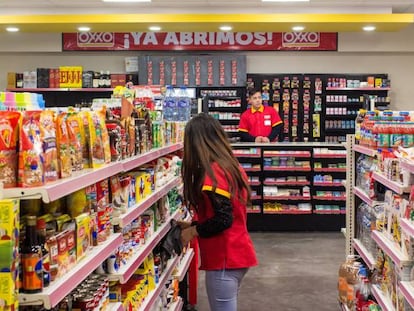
(407, 289)
(364, 253)
(115, 306)
(363, 196)
(408, 165)
(390, 249)
(383, 301)
(184, 265)
(177, 305)
(394, 186)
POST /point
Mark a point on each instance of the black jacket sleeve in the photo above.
(276, 130)
(245, 136)
(222, 219)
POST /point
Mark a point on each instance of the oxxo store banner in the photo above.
(200, 41)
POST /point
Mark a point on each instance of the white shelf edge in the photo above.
(407, 290)
(363, 252)
(394, 186)
(177, 305)
(62, 187)
(382, 300)
(152, 296)
(390, 249)
(407, 226)
(184, 264)
(52, 295)
(407, 165)
(125, 272)
(363, 196)
(143, 205)
(365, 150)
(115, 306)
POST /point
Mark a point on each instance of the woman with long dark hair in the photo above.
(217, 189)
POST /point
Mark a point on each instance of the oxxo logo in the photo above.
(96, 39)
(300, 39)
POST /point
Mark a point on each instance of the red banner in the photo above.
(200, 41)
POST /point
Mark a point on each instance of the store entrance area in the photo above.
(296, 272)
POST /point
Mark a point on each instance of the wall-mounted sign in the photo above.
(200, 41)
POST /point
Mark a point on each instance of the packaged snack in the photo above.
(9, 127)
(84, 118)
(98, 140)
(48, 137)
(65, 165)
(31, 171)
(75, 129)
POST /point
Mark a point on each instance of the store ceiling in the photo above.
(205, 15)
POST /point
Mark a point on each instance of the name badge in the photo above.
(267, 123)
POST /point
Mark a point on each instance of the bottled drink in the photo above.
(41, 230)
(184, 105)
(96, 79)
(102, 79)
(32, 259)
(169, 105)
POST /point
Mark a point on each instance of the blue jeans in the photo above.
(223, 287)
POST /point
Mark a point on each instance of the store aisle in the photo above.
(297, 272)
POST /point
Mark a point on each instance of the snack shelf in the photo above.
(152, 296)
(329, 169)
(288, 212)
(358, 89)
(365, 150)
(286, 197)
(384, 302)
(143, 205)
(328, 212)
(408, 165)
(253, 211)
(286, 168)
(256, 197)
(246, 154)
(407, 226)
(126, 271)
(286, 154)
(254, 183)
(177, 305)
(57, 290)
(394, 186)
(363, 196)
(286, 183)
(364, 253)
(62, 187)
(329, 198)
(407, 289)
(115, 306)
(184, 265)
(34, 90)
(252, 169)
(390, 249)
(329, 155)
(328, 184)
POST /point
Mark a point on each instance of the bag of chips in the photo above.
(9, 133)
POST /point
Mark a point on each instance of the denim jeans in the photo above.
(223, 287)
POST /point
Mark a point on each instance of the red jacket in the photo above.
(232, 248)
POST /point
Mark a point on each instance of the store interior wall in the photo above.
(390, 53)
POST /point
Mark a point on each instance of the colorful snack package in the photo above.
(84, 117)
(63, 143)
(75, 129)
(99, 146)
(9, 133)
(30, 151)
(48, 136)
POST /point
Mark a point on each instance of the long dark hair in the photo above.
(205, 142)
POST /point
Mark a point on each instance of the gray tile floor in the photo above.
(297, 272)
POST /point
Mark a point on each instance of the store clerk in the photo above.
(260, 124)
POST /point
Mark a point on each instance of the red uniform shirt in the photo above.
(232, 248)
(259, 122)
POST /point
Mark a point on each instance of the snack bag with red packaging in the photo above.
(9, 133)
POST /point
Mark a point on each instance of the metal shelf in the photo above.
(254, 183)
(126, 271)
(286, 183)
(142, 206)
(358, 89)
(62, 187)
(245, 155)
(115, 306)
(363, 196)
(329, 198)
(184, 265)
(329, 155)
(407, 289)
(57, 290)
(328, 184)
(394, 186)
(34, 90)
(390, 249)
(407, 226)
(286, 168)
(383, 301)
(287, 212)
(286, 198)
(328, 212)
(363, 252)
(329, 169)
(286, 154)
(253, 211)
(407, 165)
(177, 305)
(252, 169)
(365, 150)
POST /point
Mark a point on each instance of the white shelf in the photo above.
(407, 289)
(363, 196)
(383, 301)
(115, 306)
(133, 212)
(126, 271)
(177, 305)
(407, 226)
(344, 307)
(57, 290)
(152, 296)
(394, 186)
(390, 249)
(184, 265)
(62, 187)
(365, 150)
(358, 88)
(407, 165)
(363, 252)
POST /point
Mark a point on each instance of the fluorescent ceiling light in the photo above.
(126, 1)
(369, 28)
(285, 0)
(154, 28)
(298, 28)
(12, 29)
(84, 29)
(226, 28)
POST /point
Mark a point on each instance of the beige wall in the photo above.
(391, 53)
